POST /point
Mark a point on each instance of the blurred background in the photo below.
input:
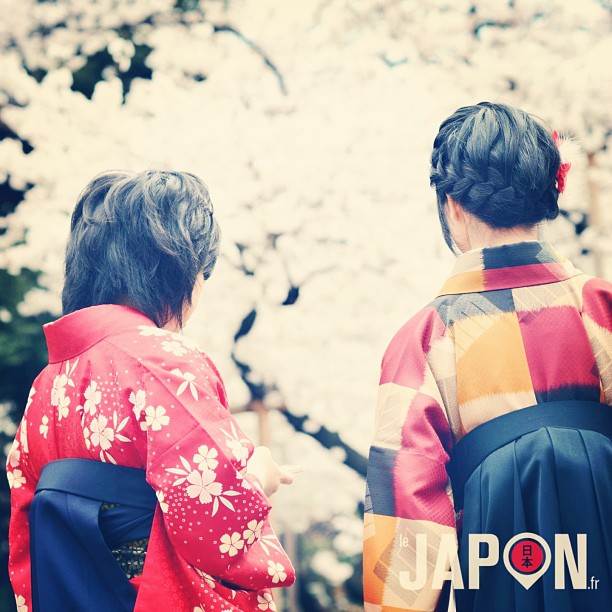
(312, 123)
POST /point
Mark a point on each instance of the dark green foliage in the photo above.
(24, 351)
(23, 354)
(10, 198)
(7, 132)
(187, 5)
(86, 78)
(138, 68)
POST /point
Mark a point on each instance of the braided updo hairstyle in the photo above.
(498, 163)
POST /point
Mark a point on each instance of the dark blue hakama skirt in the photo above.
(554, 480)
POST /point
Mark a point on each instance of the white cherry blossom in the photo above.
(21, 604)
(231, 544)
(239, 450)
(266, 602)
(150, 330)
(138, 399)
(92, 398)
(203, 485)
(239, 446)
(206, 458)
(104, 433)
(62, 405)
(101, 435)
(58, 392)
(253, 531)
(277, 571)
(15, 479)
(14, 454)
(59, 397)
(59, 386)
(155, 418)
(174, 347)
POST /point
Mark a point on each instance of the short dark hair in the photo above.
(140, 240)
(499, 163)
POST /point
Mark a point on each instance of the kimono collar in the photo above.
(508, 266)
(80, 330)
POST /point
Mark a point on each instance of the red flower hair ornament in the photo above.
(564, 166)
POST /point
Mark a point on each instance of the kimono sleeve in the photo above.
(597, 318)
(408, 490)
(215, 516)
(22, 486)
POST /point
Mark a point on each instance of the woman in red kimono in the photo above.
(132, 487)
(494, 416)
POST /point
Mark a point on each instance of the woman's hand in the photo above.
(267, 471)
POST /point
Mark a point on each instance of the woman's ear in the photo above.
(457, 224)
(454, 211)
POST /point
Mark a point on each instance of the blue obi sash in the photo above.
(73, 567)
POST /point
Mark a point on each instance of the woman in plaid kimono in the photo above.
(493, 417)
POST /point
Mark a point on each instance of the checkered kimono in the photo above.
(515, 325)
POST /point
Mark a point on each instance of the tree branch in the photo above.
(255, 47)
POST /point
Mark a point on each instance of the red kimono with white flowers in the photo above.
(119, 389)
